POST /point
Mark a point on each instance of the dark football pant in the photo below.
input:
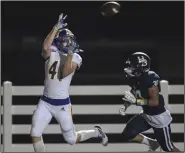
(138, 124)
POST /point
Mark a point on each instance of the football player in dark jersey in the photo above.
(145, 92)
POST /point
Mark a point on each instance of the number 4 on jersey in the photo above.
(52, 69)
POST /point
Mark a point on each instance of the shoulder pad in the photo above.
(152, 74)
(152, 79)
(77, 59)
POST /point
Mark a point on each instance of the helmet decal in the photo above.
(142, 60)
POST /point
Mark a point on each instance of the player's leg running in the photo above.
(64, 117)
(163, 136)
(97, 132)
(133, 130)
(40, 120)
(152, 143)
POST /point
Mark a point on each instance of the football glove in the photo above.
(122, 110)
(129, 97)
(60, 24)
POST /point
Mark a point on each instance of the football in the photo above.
(110, 9)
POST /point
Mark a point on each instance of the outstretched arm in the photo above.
(46, 51)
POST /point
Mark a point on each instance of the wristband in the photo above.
(141, 102)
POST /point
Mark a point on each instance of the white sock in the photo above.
(87, 134)
(147, 140)
(39, 146)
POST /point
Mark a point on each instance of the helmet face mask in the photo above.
(132, 72)
(137, 64)
(65, 41)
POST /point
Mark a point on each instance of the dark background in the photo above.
(156, 28)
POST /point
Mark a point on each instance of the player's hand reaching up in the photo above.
(60, 24)
(129, 97)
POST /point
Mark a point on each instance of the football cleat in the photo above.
(154, 146)
(102, 136)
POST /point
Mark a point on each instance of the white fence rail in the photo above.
(8, 110)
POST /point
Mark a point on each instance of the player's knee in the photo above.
(166, 148)
(70, 140)
(70, 137)
(35, 132)
(129, 134)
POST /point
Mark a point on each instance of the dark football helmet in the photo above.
(65, 41)
(137, 63)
